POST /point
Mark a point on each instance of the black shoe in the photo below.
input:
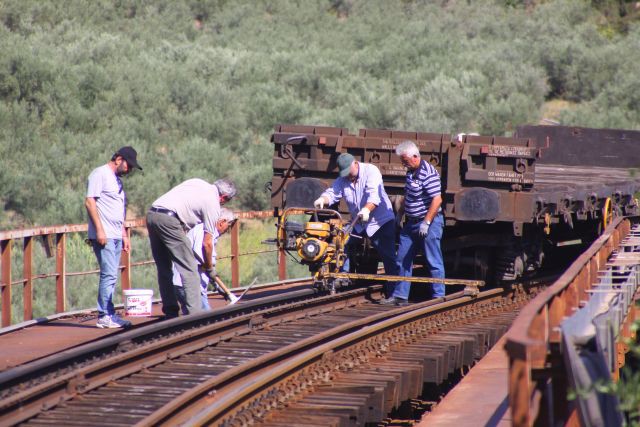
(169, 316)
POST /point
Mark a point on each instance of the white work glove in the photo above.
(319, 203)
(364, 214)
(424, 228)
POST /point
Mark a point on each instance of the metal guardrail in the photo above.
(538, 380)
(590, 336)
(56, 240)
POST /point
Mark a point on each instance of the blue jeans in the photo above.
(109, 261)
(410, 244)
(384, 242)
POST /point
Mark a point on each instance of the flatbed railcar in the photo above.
(508, 201)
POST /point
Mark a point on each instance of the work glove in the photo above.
(424, 229)
(211, 273)
(364, 214)
(319, 203)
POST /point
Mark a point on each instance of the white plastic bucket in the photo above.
(137, 302)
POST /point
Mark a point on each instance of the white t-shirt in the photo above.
(106, 187)
(196, 236)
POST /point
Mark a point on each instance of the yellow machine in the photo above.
(319, 242)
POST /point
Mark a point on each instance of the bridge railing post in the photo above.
(27, 274)
(282, 264)
(125, 265)
(61, 279)
(5, 279)
(235, 249)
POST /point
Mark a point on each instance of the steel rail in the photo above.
(127, 351)
(219, 396)
(88, 312)
(169, 410)
(181, 342)
(412, 279)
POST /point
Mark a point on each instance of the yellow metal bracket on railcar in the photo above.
(607, 213)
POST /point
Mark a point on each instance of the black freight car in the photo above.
(504, 209)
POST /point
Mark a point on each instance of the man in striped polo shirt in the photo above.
(424, 221)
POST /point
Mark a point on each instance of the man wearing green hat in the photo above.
(361, 186)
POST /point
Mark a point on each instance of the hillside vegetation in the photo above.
(197, 85)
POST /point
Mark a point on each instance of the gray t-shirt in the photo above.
(195, 201)
(107, 189)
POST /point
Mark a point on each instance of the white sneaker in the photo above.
(120, 320)
(233, 299)
(112, 322)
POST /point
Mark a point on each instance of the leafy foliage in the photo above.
(197, 85)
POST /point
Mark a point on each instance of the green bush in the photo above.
(196, 86)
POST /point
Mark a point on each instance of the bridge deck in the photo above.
(480, 399)
(64, 331)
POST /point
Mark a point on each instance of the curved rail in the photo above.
(251, 388)
(537, 379)
(195, 357)
(55, 378)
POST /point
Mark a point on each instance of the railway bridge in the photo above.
(289, 355)
(320, 350)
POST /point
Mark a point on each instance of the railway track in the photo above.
(266, 361)
(92, 314)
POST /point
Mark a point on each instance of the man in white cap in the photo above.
(106, 206)
(361, 186)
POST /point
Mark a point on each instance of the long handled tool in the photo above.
(247, 290)
(226, 293)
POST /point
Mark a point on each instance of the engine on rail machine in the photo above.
(505, 209)
(319, 242)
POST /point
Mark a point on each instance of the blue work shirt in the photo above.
(368, 188)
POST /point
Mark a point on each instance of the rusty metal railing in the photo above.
(56, 240)
(538, 382)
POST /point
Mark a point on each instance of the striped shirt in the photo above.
(421, 187)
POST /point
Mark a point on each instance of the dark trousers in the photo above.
(169, 243)
(384, 242)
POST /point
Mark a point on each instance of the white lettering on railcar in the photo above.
(506, 176)
(509, 151)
